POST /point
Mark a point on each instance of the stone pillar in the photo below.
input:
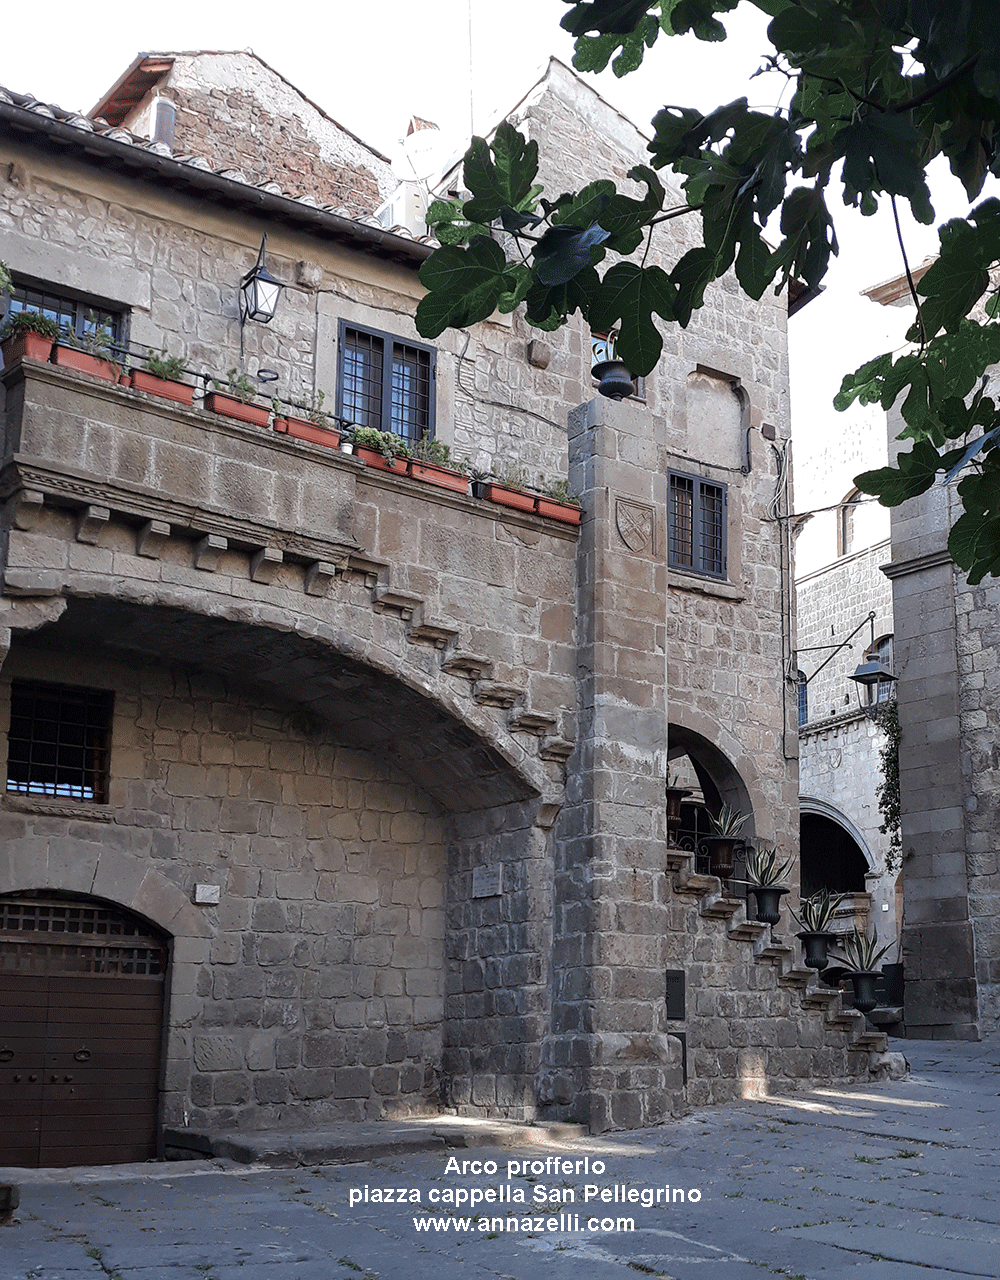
(938, 946)
(611, 1062)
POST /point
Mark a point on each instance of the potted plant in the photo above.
(765, 875)
(862, 954)
(675, 795)
(90, 352)
(27, 335)
(314, 424)
(510, 489)
(431, 461)
(381, 449)
(556, 501)
(816, 918)
(236, 401)
(726, 826)
(479, 482)
(162, 377)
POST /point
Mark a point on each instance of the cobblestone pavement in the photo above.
(896, 1181)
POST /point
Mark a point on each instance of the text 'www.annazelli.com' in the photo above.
(565, 1222)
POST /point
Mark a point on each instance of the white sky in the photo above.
(371, 65)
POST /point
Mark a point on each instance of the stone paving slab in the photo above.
(821, 1185)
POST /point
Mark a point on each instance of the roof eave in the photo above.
(104, 152)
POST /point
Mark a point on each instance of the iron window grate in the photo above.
(696, 525)
(385, 383)
(78, 316)
(58, 742)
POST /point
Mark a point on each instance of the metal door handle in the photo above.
(82, 1055)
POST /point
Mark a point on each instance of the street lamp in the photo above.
(259, 291)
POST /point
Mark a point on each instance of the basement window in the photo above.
(59, 741)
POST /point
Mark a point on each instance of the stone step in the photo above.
(795, 977)
(721, 908)
(697, 885)
(748, 931)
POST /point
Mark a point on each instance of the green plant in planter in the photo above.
(512, 476)
(238, 385)
(430, 449)
(762, 865)
(558, 491)
(862, 950)
(818, 911)
(29, 322)
(728, 824)
(96, 339)
(161, 365)
(390, 446)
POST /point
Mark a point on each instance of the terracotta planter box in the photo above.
(443, 477)
(26, 346)
(140, 380)
(375, 459)
(510, 497)
(567, 512)
(84, 362)
(301, 429)
(231, 407)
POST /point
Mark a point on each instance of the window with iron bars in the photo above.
(385, 382)
(78, 315)
(59, 741)
(696, 525)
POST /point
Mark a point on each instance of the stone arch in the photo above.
(833, 852)
(140, 615)
(722, 762)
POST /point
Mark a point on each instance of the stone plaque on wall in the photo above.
(486, 881)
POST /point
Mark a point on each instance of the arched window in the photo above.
(803, 698)
(845, 523)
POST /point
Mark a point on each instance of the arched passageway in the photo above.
(830, 857)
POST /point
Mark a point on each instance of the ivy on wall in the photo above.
(888, 789)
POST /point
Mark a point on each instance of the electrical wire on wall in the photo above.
(777, 512)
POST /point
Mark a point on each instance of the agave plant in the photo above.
(862, 950)
(728, 824)
(762, 865)
(818, 911)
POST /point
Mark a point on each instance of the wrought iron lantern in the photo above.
(870, 675)
(259, 291)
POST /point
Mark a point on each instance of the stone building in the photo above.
(843, 613)
(352, 785)
(947, 657)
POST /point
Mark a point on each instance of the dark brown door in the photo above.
(81, 1008)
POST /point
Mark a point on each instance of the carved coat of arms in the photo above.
(634, 523)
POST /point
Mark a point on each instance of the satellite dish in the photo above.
(421, 155)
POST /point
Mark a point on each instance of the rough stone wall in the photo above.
(977, 610)
(321, 995)
(939, 942)
(237, 113)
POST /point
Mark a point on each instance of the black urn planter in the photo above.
(768, 898)
(721, 856)
(674, 797)
(865, 998)
(814, 945)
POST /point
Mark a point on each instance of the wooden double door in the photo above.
(81, 1015)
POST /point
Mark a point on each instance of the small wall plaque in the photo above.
(486, 881)
(208, 895)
